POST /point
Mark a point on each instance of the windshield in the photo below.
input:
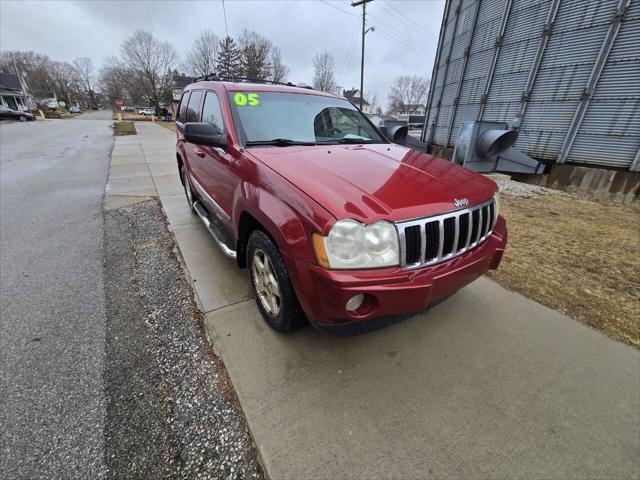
(281, 119)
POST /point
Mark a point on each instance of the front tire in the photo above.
(23, 118)
(271, 285)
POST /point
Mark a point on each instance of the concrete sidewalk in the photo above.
(487, 384)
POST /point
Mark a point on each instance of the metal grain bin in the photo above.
(565, 73)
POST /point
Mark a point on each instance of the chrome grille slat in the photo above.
(431, 226)
(440, 237)
(423, 243)
(470, 229)
(455, 235)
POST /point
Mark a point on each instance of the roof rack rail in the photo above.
(221, 78)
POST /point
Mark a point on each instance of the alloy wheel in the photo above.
(266, 283)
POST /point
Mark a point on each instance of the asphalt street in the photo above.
(52, 320)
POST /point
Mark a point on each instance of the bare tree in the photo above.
(150, 61)
(201, 59)
(279, 70)
(66, 81)
(113, 79)
(86, 76)
(254, 55)
(373, 102)
(324, 72)
(408, 93)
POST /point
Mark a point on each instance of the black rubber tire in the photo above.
(291, 317)
(186, 184)
(23, 118)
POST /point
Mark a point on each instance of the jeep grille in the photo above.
(426, 241)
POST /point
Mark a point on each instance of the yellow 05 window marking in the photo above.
(242, 99)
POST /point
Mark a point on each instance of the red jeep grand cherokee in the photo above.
(331, 219)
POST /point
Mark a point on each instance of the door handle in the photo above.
(198, 152)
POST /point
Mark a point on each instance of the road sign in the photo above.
(118, 102)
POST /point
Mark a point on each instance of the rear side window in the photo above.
(193, 113)
(211, 111)
(182, 111)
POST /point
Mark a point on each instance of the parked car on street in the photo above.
(335, 224)
(74, 109)
(9, 114)
(146, 111)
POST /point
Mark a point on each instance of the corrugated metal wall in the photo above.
(566, 73)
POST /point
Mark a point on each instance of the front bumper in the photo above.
(389, 292)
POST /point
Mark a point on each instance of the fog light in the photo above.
(354, 302)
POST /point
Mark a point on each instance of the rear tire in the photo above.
(271, 285)
(23, 118)
(188, 191)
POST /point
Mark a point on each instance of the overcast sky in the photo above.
(403, 43)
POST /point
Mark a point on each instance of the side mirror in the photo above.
(202, 133)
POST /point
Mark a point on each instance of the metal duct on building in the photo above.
(564, 73)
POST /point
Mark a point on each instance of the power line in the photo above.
(392, 32)
(402, 34)
(401, 42)
(404, 47)
(390, 8)
(349, 54)
(339, 9)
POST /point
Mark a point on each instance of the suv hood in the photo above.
(378, 181)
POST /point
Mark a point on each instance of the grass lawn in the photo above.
(168, 125)
(133, 117)
(124, 128)
(577, 256)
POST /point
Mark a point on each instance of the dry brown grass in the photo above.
(135, 117)
(124, 128)
(132, 117)
(577, 256)
(168, 125)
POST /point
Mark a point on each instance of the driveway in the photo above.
(52, 176)
(487, 384)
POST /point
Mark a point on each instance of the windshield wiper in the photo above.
(278, 142)
(350, 141)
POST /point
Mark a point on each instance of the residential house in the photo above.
(178, 85)
(353, 96)
(410, 109)
(13, 93)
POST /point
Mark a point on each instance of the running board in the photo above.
(217, 236)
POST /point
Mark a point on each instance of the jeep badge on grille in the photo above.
(461, 202)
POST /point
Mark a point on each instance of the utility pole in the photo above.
(23, 84)
(364, 32)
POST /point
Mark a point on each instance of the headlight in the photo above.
(496, 199)
(351, 244)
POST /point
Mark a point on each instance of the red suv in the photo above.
(335, 224)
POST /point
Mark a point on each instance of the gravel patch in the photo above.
(519, 189)
(171, 410)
